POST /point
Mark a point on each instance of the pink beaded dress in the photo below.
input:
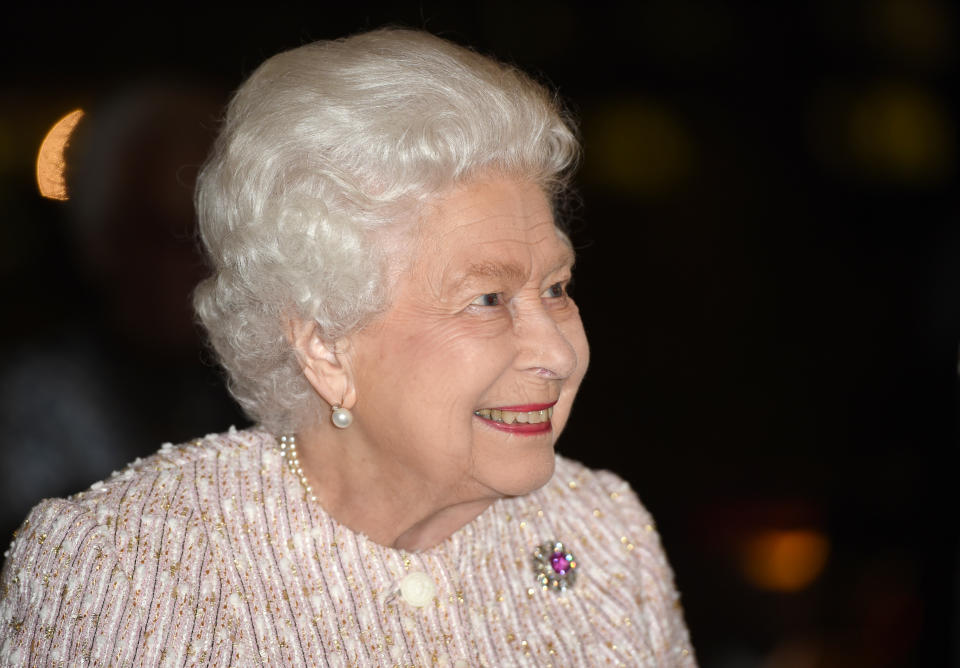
(210, 553)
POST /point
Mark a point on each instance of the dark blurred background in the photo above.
(769, 273)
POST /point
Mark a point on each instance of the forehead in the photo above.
(501, 220)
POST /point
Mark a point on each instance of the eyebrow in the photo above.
(507, 271)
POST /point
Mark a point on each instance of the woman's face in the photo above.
(479, 323)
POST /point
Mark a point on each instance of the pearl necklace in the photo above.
(553, 565)
(288, 450)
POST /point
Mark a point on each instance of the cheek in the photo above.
(449, 359)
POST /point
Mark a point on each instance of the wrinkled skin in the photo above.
(479, 319)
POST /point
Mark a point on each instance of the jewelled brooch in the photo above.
(554, 566)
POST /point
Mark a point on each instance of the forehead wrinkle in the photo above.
(565, 257)
(511, 273)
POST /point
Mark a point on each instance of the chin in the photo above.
(517, 478)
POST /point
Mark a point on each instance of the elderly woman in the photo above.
(389, 298)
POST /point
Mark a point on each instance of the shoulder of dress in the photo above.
(596, 493)
(175, 463)
(589, 483)
(616, 541)
(50, 516)
(578, 472)
(54, 529)
(235, 443)
(169, 488)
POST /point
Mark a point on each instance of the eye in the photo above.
(555, 291)
(489, 299)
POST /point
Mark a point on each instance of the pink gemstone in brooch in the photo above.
(554, 566)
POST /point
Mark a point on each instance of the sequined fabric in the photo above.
(209, 553)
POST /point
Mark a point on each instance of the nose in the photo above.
(544, 347)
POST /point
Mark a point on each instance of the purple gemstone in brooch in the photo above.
(554, 566)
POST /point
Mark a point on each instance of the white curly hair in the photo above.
(324, 148)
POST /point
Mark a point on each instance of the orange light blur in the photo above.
(50, 161)
(784, 560)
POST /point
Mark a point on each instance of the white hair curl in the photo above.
(321, 148)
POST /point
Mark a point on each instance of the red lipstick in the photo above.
(540, 425)
(518, 427)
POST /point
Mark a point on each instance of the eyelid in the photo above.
(479, 298)
(563, 290)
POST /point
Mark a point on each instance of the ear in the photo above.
(325, 364)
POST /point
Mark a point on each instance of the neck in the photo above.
(380, 497)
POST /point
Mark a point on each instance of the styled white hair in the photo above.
(323, 147)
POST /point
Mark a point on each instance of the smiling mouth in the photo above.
(510, 417)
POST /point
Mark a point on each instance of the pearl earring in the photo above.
(341, 417)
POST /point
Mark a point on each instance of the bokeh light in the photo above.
(784, 560)
(50, 161)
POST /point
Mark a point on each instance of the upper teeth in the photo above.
(509, 417)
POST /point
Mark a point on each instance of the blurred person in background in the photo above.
(110, 372)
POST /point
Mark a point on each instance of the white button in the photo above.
(417, 589)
